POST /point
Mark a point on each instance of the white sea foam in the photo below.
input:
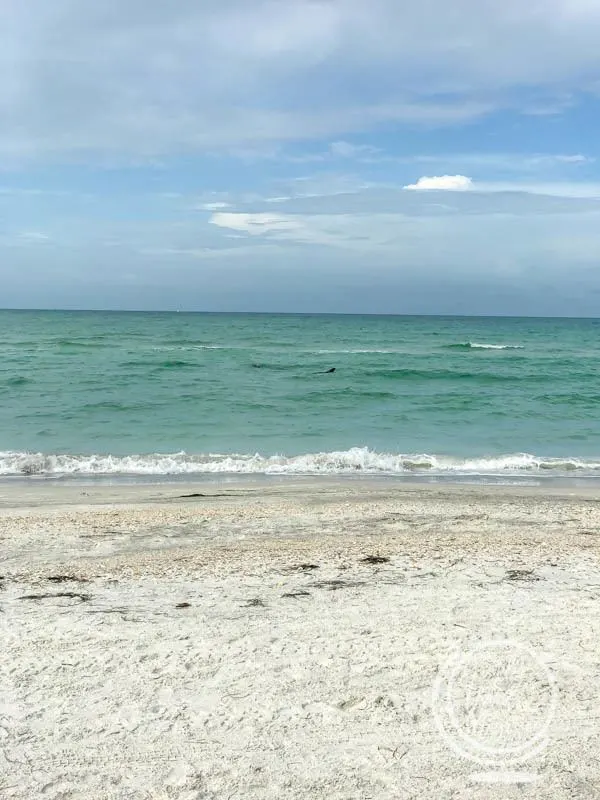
(179, 347)
(357, 460)
(355, 351)
(479, 346)
(392, 351)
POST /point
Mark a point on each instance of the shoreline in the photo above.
(285, 639)
(77, 490)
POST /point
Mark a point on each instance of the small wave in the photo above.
(187, 348)
(18, 380)
(274, 367)
(357, 351)
(107, 405)
(479, 346)
(176, 343)
(408, 375)
(81, 344)
(174, 363)
(357, 460)
(345, 396)
(158, 366)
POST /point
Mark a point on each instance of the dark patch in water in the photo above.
(74, 344)
(173, 364)
(158, 366)
(274, 367)
(111, 406)
(415, 375)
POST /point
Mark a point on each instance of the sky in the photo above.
(355, 156)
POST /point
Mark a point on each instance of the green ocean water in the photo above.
(176, 393)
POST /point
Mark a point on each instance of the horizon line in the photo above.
(294, 313)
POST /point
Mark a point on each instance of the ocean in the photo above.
(165, 394)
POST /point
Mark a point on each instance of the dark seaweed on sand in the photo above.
(521, 575)
(375, 560)
(83, 597)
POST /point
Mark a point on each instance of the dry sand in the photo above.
(239, 645)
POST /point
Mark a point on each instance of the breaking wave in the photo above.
(478, 346)
(356, 351)
(357, 460)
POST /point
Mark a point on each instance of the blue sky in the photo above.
(301, 155)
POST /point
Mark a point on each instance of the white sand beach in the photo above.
(291, 640)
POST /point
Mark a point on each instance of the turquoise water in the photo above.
(167, 393)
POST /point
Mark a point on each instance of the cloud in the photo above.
(347, 150)
(82, 79)
(576, 158)
(389, 222)
(442, 182)
(505, 162)
(254, 224)
(34, 236)
(213, 206)
(379, 248)
(564, 189)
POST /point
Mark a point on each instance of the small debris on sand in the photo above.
(521, 575)
(334, 585)
(83, 597)
(375, 560)
(303, 567)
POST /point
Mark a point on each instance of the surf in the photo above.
(356, 460)
(481, 346)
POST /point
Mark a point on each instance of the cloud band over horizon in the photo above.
(332, 152)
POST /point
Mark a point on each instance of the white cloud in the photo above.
(255, 224)
(442, 182)
(213, 206)
(576, 158)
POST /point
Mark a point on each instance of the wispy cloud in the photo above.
(34, 236)
(213, 206)
(141, 79)
(353, 151)
(255, 224)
